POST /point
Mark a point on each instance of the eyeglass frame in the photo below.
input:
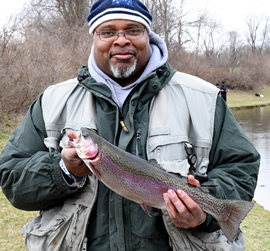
(118, 33)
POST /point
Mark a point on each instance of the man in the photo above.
(223, 91)
(134, 99)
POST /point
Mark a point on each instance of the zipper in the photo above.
(138, 147)
(84, 246)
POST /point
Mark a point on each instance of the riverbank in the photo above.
(242, 99)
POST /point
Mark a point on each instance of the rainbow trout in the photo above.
(145, 183)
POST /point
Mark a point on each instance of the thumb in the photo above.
(71, 135)
(193, 181)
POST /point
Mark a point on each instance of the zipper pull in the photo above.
(84, 246)
(122, 123)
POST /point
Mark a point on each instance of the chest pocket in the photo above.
(168, 150)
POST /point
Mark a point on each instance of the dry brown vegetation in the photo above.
(49, 41)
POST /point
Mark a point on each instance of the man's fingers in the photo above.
(170, 206)
(178, 204)
(183, 211)
(191, 204)
(195, 210)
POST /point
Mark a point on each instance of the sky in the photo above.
(233, 13)
(230, 13)
(10, 7)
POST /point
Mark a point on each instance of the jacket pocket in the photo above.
(48, 230)
(168, 150)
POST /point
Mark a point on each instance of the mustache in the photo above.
(113, 53)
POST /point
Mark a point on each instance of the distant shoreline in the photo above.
(246, 99)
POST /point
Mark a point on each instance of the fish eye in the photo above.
(84, 134)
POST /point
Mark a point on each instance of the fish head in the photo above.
(85, 146)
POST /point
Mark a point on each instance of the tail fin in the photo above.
(240, 209)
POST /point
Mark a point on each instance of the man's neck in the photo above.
(124, 81)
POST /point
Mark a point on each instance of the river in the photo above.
(256, 124)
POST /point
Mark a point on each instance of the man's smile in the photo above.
(122, 55)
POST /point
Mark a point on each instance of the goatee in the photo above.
(123, 72)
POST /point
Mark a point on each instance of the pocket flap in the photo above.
(162, 140)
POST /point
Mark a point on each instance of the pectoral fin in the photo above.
(144, 207)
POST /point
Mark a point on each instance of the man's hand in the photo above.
(72, 162)
(183, 211)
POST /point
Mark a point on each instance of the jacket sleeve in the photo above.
(30, 176)
(234, 162)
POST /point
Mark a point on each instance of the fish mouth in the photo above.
(87, 148)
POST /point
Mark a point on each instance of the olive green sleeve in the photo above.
(234, 162)
(30, 176)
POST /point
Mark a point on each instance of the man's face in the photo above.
(122, 59)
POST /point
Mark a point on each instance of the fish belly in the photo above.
(132, 186)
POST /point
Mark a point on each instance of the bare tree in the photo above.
(183, 25)
(253, 23)
(234, 48)
(258, 32)
(176, 22)
(265, 34)
(209, 38)
(200, 23)
(164, 18)
(5, 38)
(74, 12)
(46, 50)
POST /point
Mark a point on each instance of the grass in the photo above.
(256, 229)
(242, 99)
(11, 219)
(256, 226)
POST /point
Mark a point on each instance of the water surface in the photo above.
(256, 124)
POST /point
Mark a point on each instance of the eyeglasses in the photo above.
(130, 34)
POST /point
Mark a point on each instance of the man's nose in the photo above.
(121, 38)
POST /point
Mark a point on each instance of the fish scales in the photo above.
(145, 172)
(126, 181)
(145, 183)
